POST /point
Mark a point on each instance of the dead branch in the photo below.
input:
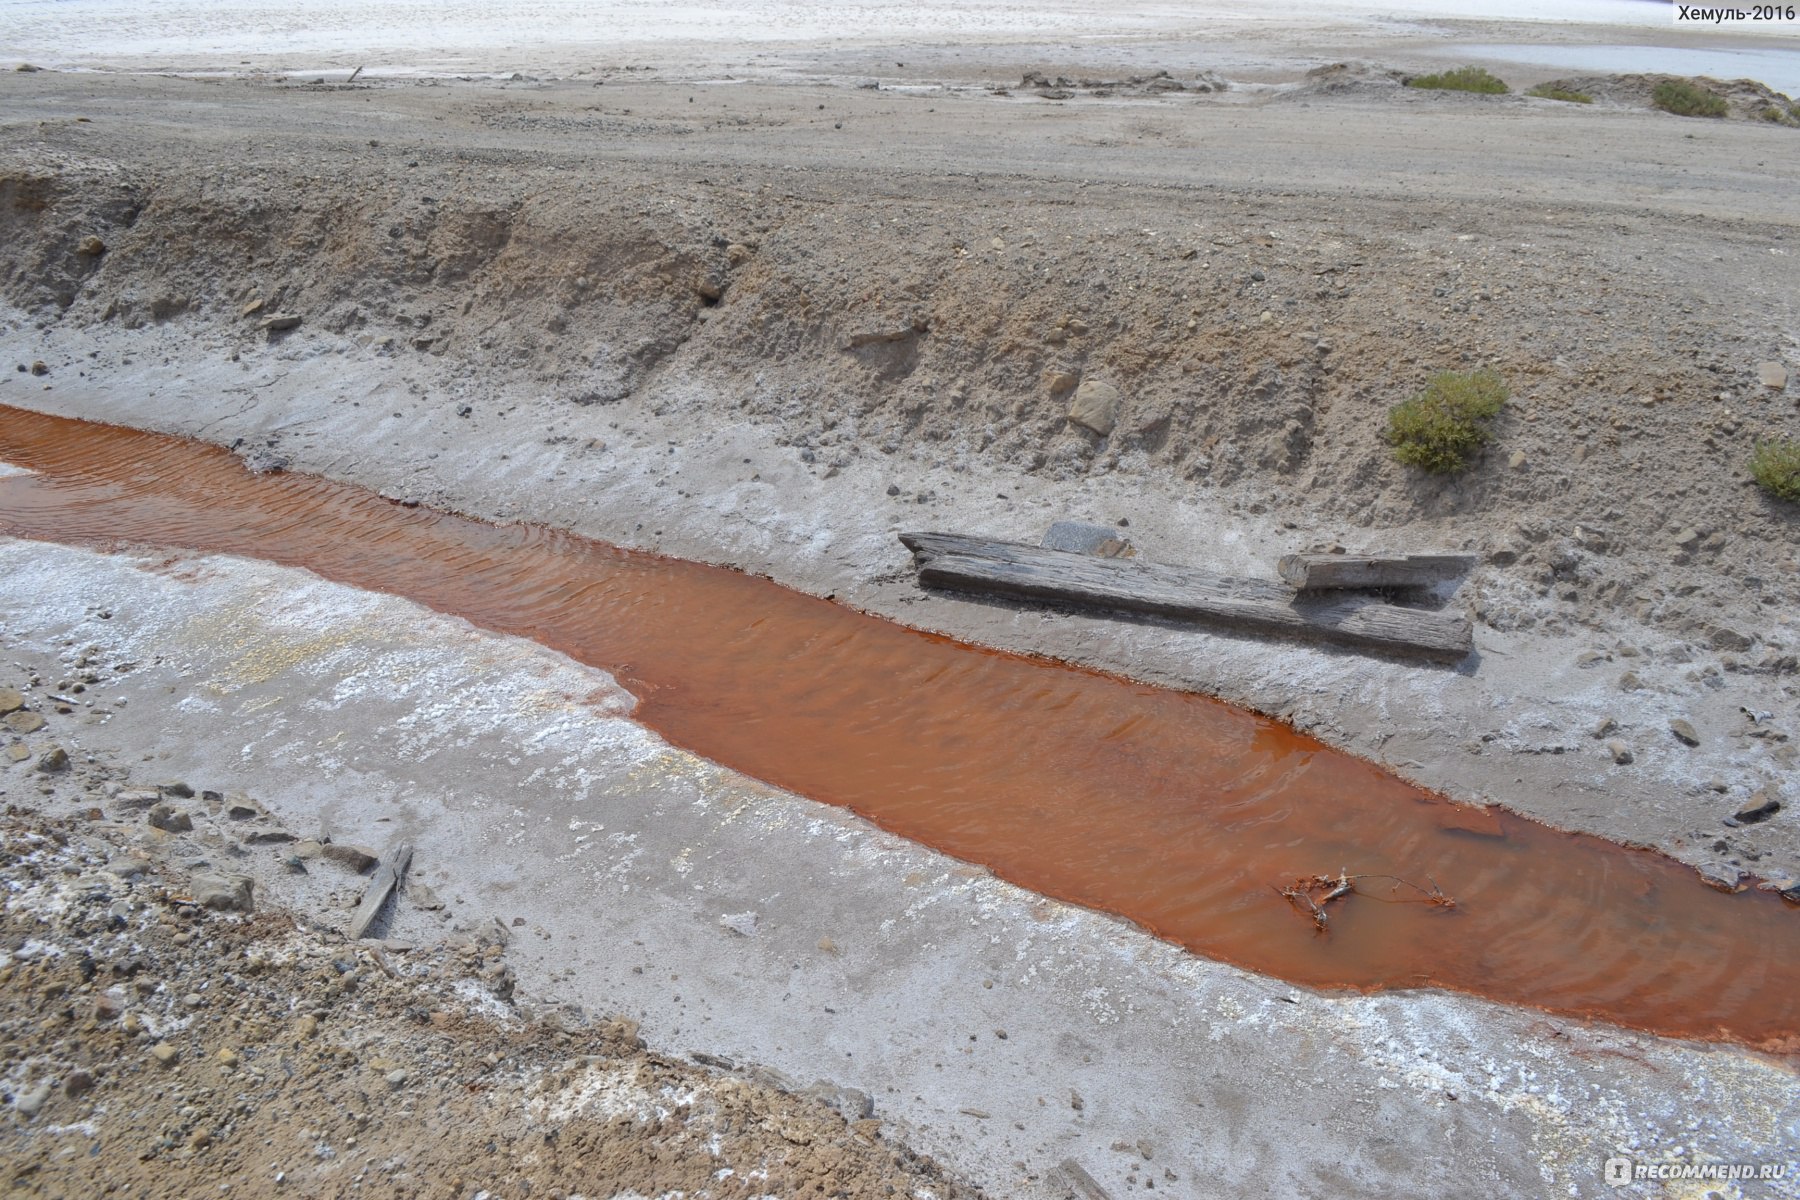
(1311, 893)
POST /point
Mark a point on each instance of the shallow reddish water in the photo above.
(1176, 811)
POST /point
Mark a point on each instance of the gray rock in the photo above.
(357, 858)
(77, 1083)
(170, 820)
(53, 760)
(886, 332)
(1104, 541)
(263, 461)
(712, 1060)
(125, 868)
(1771, 375)
(1724, 638)
(24, 722)
(31, 1103)
(853, 1104)
(281, 322)
(269, 837)
(1684, 732)
(422, 895)
(1095, 407)
(1760, 807)
(1721, 876)
(225, 893)
(132, 798)
(177, 789)
(743, 924)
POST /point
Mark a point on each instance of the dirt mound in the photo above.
(1747, 100)
(1347, 79)
(156, 1046)
(1160, 83)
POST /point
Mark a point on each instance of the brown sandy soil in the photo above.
(156, 1048)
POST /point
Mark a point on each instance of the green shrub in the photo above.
(1776, 468)
(1686, 99)
(1441, 428)
(1463, 79)
(1549, 91)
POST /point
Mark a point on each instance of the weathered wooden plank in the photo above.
(1313, 572)
(387, 877)
(1077, 1184)
(1185, 593)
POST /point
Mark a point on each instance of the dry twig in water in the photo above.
(1311, 893)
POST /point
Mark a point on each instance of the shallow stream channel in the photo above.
(1185, 815)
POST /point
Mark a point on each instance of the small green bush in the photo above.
(1441, 428)
(1547, 91)
(1463, 79)
(1776, 468)
(1686, 99)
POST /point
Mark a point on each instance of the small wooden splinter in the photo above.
(1310, 894)
(387, 877)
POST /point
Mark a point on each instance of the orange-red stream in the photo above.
(1179, 812)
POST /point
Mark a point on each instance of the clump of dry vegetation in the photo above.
(1441, 428)
(1463, 79)
(1549, 91)
(1775, 465)
(1686, 99)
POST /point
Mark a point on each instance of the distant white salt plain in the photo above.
(447, 35)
